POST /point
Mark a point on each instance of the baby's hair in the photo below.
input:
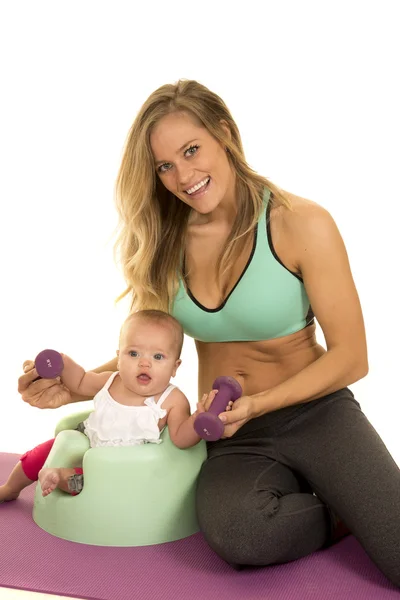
(159, 316)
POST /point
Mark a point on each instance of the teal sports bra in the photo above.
(267, 302)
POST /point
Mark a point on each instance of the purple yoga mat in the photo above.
(31, 559)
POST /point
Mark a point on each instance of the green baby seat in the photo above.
(132, 496)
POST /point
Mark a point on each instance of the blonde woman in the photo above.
(246, 268)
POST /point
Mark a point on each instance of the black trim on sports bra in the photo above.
(213, 310)
(310, 315)
(271, 245)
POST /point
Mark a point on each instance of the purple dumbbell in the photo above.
(49, 364)
(207, 424)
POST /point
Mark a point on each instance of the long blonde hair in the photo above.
(152, 221)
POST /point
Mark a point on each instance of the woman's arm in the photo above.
(112, 365)
(325, 269)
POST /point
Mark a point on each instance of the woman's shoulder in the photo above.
(298, 205)
(300, 229)
(302, 216)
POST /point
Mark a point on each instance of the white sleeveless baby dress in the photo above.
(114, 424)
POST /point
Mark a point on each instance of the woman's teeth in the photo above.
(197, 187)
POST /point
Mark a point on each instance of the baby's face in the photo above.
(147, 356)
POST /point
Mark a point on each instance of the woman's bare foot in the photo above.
(6, 494)
(49, 480)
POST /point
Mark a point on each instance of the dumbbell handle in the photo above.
(207, 424)
(221, 401)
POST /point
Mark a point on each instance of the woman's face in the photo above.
(191, 163)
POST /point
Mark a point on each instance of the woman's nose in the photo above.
(185, 176)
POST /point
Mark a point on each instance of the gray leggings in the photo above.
(270, 494)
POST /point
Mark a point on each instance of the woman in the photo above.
(245, 267)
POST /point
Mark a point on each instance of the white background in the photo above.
(313, 87)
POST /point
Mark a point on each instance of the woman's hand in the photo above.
(241, 411)
(44, 393)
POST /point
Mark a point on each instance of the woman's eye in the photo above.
(195, 147)
(192, 150)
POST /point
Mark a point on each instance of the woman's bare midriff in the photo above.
(257, 366)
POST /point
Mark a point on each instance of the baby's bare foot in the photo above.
(6, 494)
(49, 480)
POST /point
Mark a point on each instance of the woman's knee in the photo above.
(263, 530)
(230, 533)
(259, 541)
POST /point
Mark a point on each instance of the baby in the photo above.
(131, 406)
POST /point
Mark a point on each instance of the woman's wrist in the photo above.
(258, 403)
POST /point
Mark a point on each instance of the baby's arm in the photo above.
(79, 381)
(180, 421)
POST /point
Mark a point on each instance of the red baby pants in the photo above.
(33, 460)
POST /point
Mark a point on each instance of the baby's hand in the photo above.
(206, 401)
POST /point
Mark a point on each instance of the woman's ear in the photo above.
(226, 128)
